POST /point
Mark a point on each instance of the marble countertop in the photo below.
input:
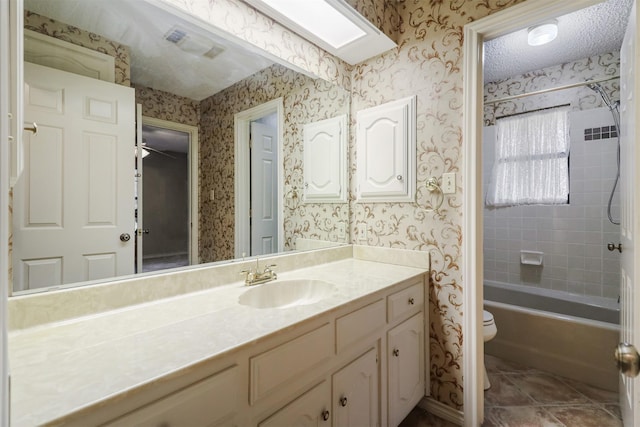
(60, 368)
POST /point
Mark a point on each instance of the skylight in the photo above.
(320, 19)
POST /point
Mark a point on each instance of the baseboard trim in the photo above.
(441, 410)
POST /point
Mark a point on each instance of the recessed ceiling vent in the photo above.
(175, 35)
(193, 43)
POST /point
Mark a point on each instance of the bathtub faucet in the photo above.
(612, 247)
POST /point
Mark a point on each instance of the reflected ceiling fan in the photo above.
(146, 150)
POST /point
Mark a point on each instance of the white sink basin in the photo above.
(286, 293)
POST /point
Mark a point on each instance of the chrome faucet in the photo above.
(255, 277)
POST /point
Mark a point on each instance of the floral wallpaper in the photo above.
(77, 36)
(580, 98)
(427, 63)
(381, 13)
(305, 100)
(167, 106)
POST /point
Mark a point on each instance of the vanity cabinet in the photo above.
(406, 365)
(213, 402)
(362, 364)
(355, 396)
(312, 409)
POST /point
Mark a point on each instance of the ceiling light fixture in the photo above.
(542, 33)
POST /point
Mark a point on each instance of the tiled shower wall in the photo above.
(573, 237)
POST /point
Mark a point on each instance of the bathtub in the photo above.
(571, 336)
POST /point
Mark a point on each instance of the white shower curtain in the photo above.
(531, 160)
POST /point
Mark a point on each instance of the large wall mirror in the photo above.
(170, 200)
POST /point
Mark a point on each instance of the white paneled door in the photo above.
(264, 190)
(629, 218)
(73, 203)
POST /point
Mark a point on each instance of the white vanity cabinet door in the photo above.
(406, 367)
(355, 396)
(325, 160)
(312, 409)
(386, 152)
(212, 402)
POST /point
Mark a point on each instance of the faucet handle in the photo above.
(248, 274)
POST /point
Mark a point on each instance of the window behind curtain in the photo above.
(531, 160)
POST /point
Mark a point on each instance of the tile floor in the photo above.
(521, 396)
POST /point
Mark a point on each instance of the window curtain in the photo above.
(531, 160)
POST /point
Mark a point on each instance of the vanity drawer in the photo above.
(211, 402)
(357, 325)
(288, 361)
(405, 301)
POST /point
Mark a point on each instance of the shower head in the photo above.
(596, 87)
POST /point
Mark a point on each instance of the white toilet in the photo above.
(489, 331)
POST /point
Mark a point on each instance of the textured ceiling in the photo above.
(158, 64)
(155, 62)
(591, 31)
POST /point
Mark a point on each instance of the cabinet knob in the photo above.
(396, 352)
(343, 401)
(325, 415)
(411, 301)
(399, 177)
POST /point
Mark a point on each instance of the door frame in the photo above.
(242, 181)
(11, 29)
(194, 185)
(476, 33)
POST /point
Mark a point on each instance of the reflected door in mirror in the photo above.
(67, 219)
(264, 189)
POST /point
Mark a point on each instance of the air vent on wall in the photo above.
(193, 43)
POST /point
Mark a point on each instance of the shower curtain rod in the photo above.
(532, 111)
(552, 89)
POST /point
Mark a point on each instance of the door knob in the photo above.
(125, 237)
(33, 128)
(627, 359)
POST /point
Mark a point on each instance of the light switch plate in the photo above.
(362, 231)
(449, 183)
(342, 230)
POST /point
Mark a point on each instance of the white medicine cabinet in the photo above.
(325, 160)
(386, 152)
